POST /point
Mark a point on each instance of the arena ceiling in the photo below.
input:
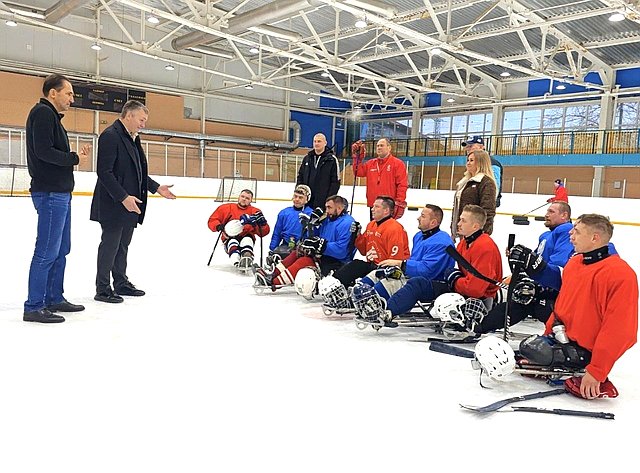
(401, 50)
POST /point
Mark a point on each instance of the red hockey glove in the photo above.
(399, 210)
(607, 389)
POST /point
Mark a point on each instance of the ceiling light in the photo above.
(311, 99)
(617, 16)
(325, 74)
(451, 100)
(360, 23)
(169, 67)
(10, 23)
(29, 13)
(505, 74)
(153, 20)
(561, 87)
(212, 52)
(393, 89)
(254, 50)
(436, 51)
(248, 87)
(96, 47)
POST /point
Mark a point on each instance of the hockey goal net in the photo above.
(14, 180)
(231, 187)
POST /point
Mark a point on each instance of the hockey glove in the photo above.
(316, 214)
(246, 219)
(259, 219)
(355, 228)
(451, 276)
(303, 219)
(358, 152)
(389, 272)
(317, 245)
(607, 389)
(220, 228)
(524, 290)
(401, 205)
(522, 258)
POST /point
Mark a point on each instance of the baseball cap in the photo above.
(473, 140)
(304, 190)
(558, 181)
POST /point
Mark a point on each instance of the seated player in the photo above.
(288, 229)
(239, 223)
(595, 317)
(330, 249)
(476, 247)
(384, 238)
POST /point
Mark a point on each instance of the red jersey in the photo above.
(598, 305)
(561, 195)
(388, 240)
(386, 176)
(483, 254)
(232, 211)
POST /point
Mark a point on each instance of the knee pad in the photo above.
(246, 245)
(232, 245)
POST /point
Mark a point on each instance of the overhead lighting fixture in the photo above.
(393, 89)
(617, 16)
(248, 87)
(275, 32)
(10, 23)
(153, 19)
(561, 87)
(29, 13)
(360, 23)
(311, 99)
(254, 50)
(169, 67)
(96, 47)
(451, 100)
(436, 51)
(325, 74)
(212, 52)
(505, 74)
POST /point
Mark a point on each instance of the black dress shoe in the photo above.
(129, 289)
(108, 296)
(43, 316)
(65, 306)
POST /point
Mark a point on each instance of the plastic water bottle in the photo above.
(292, 243)
(559, 332)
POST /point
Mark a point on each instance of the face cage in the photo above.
(371, 307)
(337, 297)
(474, 313)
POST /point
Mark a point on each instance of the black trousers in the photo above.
(328, 264)
(353, 270)
(112, 256)
(538, 308)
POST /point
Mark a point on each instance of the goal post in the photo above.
(231, 187)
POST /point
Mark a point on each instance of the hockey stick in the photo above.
(563, 412)
(448, 349)
(214, 248)
(512, 283)
(503, 402)
(463, 263)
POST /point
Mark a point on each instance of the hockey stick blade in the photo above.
(503, 402)
(563, 412)
(449, 349)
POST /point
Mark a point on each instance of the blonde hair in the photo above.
(483, 161)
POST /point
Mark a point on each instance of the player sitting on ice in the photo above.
(239, 223)
(428, 259)
(330, 249)
(476, 247)
(595, 317)
(288, 229)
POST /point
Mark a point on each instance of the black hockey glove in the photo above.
(524, 290)
(389, 272)
(316, 214)
(452, 275)
(355, 228)
(316, 245)
(303, 218)
(220, 227)
(259, 219)
(522, 258)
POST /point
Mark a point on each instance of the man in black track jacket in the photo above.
(320, 171)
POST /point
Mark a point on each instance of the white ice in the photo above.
(202, 374)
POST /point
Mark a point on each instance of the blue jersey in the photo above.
(555, 248)
(288, 225)
(428, 256)
(338, 235)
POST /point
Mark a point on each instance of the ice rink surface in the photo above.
(204, 375)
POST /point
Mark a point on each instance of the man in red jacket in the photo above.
(595, 317)
(386, 175)
(560, 191)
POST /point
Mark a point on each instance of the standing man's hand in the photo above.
(131, 204)
(84, 155)
(164, 191)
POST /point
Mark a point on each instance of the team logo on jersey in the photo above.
(388, 167)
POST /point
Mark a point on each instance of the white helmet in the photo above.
(333, 292)
(496, 357)
(233, 228)
(305, 283)
(449, 307)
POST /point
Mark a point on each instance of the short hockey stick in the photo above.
(463, 263)
(449, 349)
(563, 412)
(503, 402)
(214, 248)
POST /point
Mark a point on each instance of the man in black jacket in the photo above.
(320, 171)
(120, 199)
(51, 162)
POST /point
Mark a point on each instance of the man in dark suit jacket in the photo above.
(120, 199)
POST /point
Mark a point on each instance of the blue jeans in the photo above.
(53, 244)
